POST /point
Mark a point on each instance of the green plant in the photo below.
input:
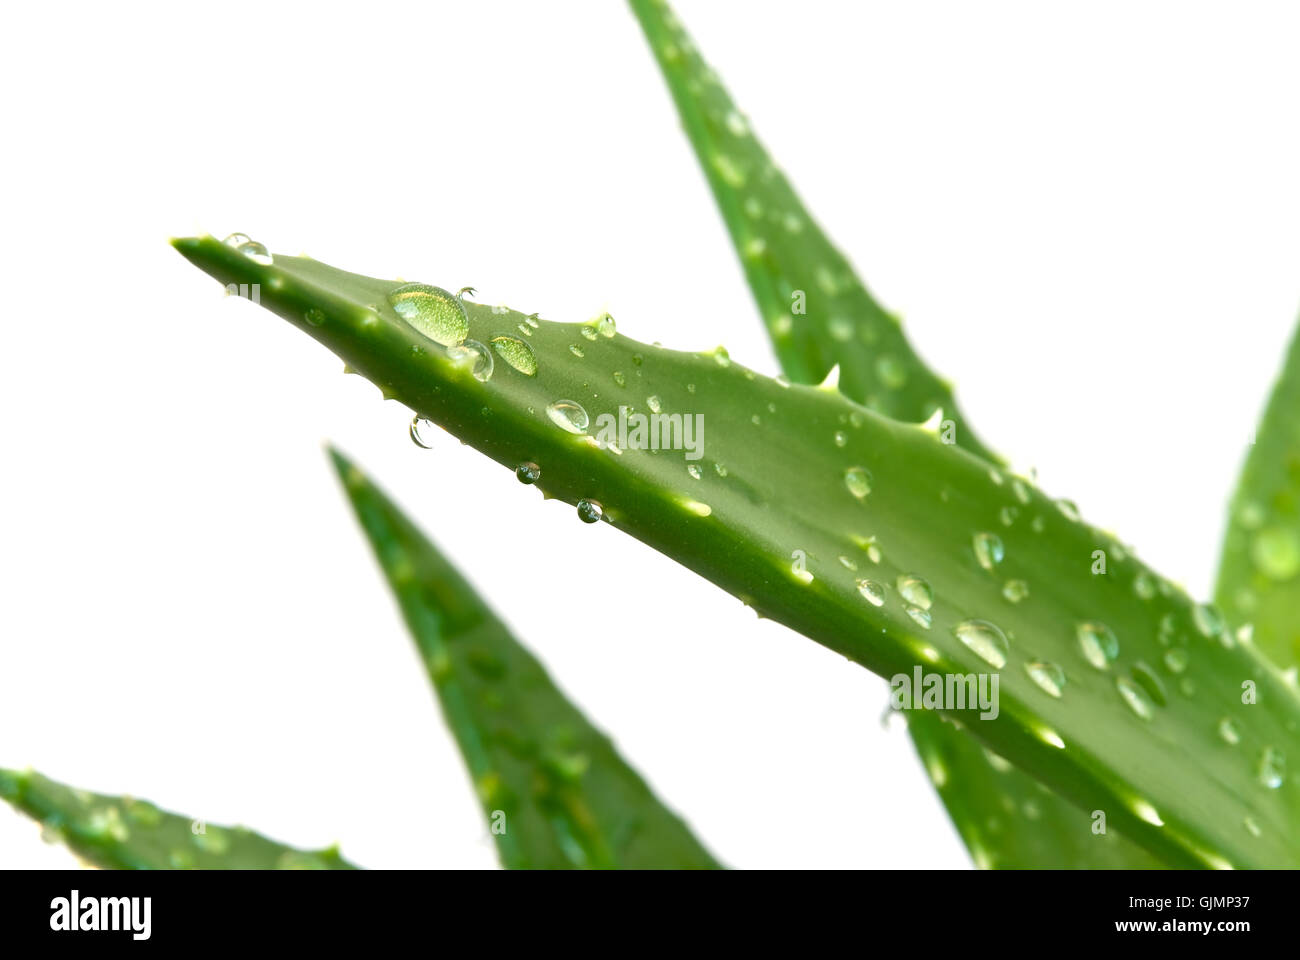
(845, 511)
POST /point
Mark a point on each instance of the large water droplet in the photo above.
(568, 415)
(528, 472)
(589, 511)
(1135, 697)
(915, 590)
(1272, 768)
(1047, 676)
(249, 248)
(1098, 642)
(518, 354)
(858, 481)
(986, 639)
(1276, 552)
(605, 326)
(988, 549)
(476, 356)
(422, 432)
(432, 311)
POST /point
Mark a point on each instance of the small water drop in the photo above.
(619, 378)
(1098, 642)
(568, 415)
(588, 330)
(1015, 590)
(528, 472)
(653, 403)
(1144, 586)
(986, 639)
(919, 615)
(605, 326)
(517, 354)
(694, 470)
(1134, 696)
(576, 351)
(1068, 509)
(476, 356)
(315, 316)
(841, 438)
(719, 469)
(721, 357)
(1276, 552)
(422, 432)
(1176, 659)
(915, 590)
(1272, 768)
(589, 511)
(1208, 620)
(431, 311)
(872, 591)
(1229, 732)
(858, 481)
(1147, 679)
(989, 550)
(1047, 676)
(1251, 827)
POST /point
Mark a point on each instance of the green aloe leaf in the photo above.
(870, 536)
(1259, 572)
(121, 833)
(816, 309)
(1003, 815)
(555, 792)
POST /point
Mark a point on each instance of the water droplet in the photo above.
(1176, 659)
(1098, 642)
(1272, 768)
(891, 373)
(1020, 489)
(919, 614)
(874, 592)
(422, 432)
(619, 378)
(1276, 552)
(1135, 698)
(1015, 590)
(476, 356)
(986, 639)
(694, 470)
(432, 311)
(653, 403)
(576, 351)
(568, 415)
(1144, 586)
(1251, 827)
(858, 480)
(589, 511)
(719, 469)
(249, 248)
(518, 354)
(988, 549)
(1207, 619)
(1008, 515)
(1147, 679)
(1229, 732)
(721, 357)
(315, 316)
(588, 330)
(736, 123)
(1069, 509)
(605, 326)
(915, 590)
(1047, 676)
(841, 328)
(528, 472)
(236, 240)
(847, 563)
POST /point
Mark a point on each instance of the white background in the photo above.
(1086, 213)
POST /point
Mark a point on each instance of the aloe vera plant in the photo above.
(868, 535)
(554, 791)
(124, 833)
(820, 315)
